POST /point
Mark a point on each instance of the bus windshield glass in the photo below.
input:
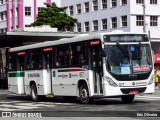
(128, 59)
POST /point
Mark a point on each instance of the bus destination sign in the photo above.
(126, 38)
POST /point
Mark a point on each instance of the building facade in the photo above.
(19, 13)
(108, 15)
(94, 16)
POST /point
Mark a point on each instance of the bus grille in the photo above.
(128, 90)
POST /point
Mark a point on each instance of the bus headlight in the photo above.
(111, 82)
(151, 80)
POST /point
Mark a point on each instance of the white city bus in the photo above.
(87, 67)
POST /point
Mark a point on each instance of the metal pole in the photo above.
(144, 16)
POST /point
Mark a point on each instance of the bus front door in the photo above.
(96, 66)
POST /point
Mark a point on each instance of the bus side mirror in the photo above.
(103, 53)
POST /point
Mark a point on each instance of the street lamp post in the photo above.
(144, 16)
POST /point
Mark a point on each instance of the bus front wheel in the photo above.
(84, 94)
(34, 93)
(127, 98)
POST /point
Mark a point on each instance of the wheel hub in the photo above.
(84, 94)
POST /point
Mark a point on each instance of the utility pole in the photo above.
(144, 16)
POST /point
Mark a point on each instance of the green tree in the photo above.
(55, 17)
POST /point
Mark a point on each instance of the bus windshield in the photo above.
(128, 59)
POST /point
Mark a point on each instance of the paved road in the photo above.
(110, 107)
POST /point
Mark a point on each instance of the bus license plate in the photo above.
(133, 92)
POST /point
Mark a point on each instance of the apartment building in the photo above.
(94, 16)
(19, 13)
(97, 16)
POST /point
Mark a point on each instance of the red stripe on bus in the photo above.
(75, 70)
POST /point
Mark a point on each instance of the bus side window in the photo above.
(78, 54)
(34, 59)
(12, 62)
(20, 62)
(28, 60)
(37, 59)
(62, 56)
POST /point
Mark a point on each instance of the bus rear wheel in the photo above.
(34, 93)
(84, 94)
(127, 98)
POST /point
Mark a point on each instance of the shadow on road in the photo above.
(104, 101)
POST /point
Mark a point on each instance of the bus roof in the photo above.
(83, 37)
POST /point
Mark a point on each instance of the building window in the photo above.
(11, 14)
(153, 20)
(1, 31)
(27, 25)
(86, 5)
(153, 1)
(2, 17)
(123, 2)
(95, 5)
(71, 10)
(104, 4)
(124, 21)
(86, 24)
(16, 12)
(40, 9)
(114, 3)
(114, 22)
(78, 8)
(27, 11)
(78, 27)
(1, 2)
(5, 15)
(139, 20)
(95, 25)
(104, 24)
(5, 30)
(139, 1)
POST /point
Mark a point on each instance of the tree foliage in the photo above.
(55, 17)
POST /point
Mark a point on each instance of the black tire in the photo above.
(84, 94)
(34, 93)
(127, 98)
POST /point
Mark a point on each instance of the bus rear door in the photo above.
(47, 73)
(20, 72)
